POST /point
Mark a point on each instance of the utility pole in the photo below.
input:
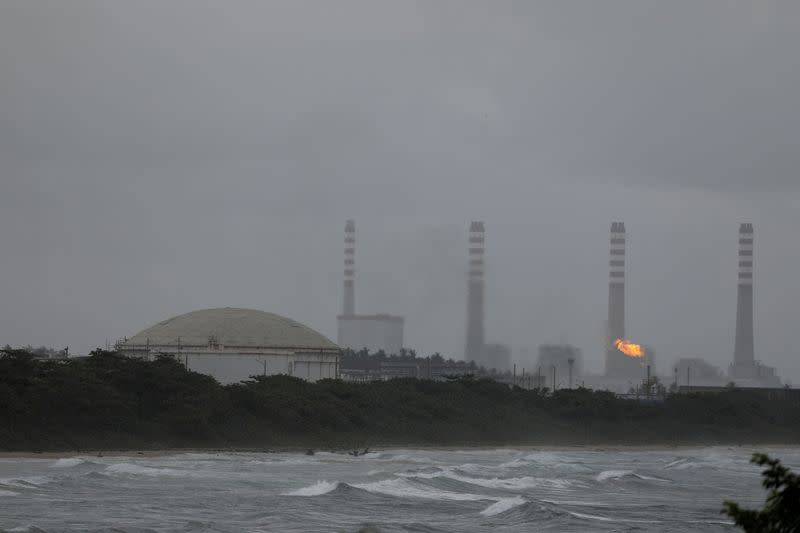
(523, 378)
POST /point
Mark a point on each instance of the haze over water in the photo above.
(396, 490)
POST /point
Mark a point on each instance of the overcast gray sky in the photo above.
(159, 157)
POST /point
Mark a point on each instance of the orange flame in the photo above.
(628, 348)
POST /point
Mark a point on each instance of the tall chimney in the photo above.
(616, 298)
(743, 352)
(475, 340)
(349, 299)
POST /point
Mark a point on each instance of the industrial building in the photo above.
(563, 362)
(377, 332)
(690, 371)
(232, 345)
(374, 332)
(494, 356)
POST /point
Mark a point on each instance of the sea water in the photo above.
(422, 490)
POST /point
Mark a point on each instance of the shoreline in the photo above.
(50, 454)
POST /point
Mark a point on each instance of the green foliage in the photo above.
(781, 512)
(110, 401)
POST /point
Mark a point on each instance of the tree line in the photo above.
(108, 401)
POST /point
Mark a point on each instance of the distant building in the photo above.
(494, 356)
(565, 359)
(771, 393)
(697, 371)
(232, 345)
(373, 332)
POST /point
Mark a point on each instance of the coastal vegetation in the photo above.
(781, 512)
(108, 401)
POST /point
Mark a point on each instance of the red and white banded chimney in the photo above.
(744, 365)
(349, 298)
(475, 313)
(616, 363)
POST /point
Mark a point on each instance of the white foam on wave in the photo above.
(284, 462)
(67, 462)
(491, 452)
(590, 516)
(607, 519)
(317, 489)
(545, 460)
(514, 483)
(681, 464)
(134, 469)
(424, 475)
(403, 489)
(613, 474)
(472, 468)
(4, 493)
(26, 482)
(652, 478)
(402, 458)
(577, 503)
(501, 506)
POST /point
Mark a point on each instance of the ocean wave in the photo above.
(402, 458)
(544, 460)
(299, 461)
(652, 478)
(712, 459)
(680, 464)
(26, 482)
(67, 462)
(607, 475)
(134, 469)
(514, 483)
(317, 489)
(403, 489)
(576, 503)
(485, 451)
(4, 493)
(612, 519)
(501, 506)
(591, 516)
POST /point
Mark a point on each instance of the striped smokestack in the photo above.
(475, 340)
(349, 299)
(743, 351)
(616, 298)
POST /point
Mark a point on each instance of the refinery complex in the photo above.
(627, 362)
(234, 344)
